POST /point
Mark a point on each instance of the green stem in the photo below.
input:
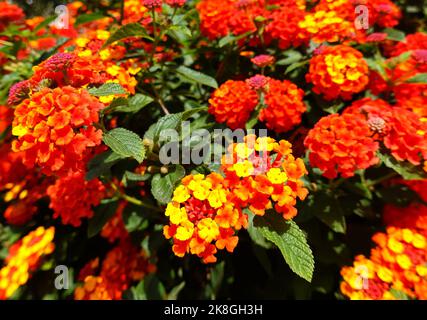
(382, 179)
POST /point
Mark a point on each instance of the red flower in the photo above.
(72, 197)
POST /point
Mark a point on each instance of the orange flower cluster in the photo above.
(341, 144)
(281, 18)
(401, 131)
(284, 106)
(55, 128)
(206, 211)
(397, 263)
(338, 71)
(122, 266)
(72, 197)
(234, 102)
(24, 258)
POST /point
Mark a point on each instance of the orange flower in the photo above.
(338, 71)
(55, 128)
(10, 13)
(24, 258)
(341, 144)
(233, 103)
(284, 101)
(69, 202)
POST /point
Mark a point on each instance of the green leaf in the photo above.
(197, 77)
(101, 163)
(291, 241)
(295, 65)
(162, 187)
(419, 78)
(173, 294)
(180, 34)
(327, 208)
(407, 170)
(393, 34)
(125, 143)
(88, 17)
(232, 38)
(103, 213)
(153, 288)
(44, 23)
(399, 295)
(107, 89)
(135, 104)
(255, 233)
(127, 31)
(292, 56)
(171, 121)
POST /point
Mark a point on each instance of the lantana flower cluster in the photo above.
(280, 103)
(206, 211)
(25, 256)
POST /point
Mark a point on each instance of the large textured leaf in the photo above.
(162, 186)
(127, 31)
(107, 89)
(407, 170)
(101, 164)
(197, 77)
(125, 143)
(291, 241)
(134, 104)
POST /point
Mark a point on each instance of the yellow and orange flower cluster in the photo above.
(338, 71)
(122, 266)
(397, 263)
(234, 102)
(25, 257)
(206, 211)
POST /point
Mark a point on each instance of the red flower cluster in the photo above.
(341, 144)
(234, 102)
(338, 71)
(122, 266)
(72, 197)
(10, 13)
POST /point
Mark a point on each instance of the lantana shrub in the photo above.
(213, 149)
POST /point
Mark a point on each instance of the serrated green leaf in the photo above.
(107, 89)
(419, 78)
(103, 213)
(127, 31)
(291, 241)
(197, 77)
(162, 187)
(135, 104)
(407, 170)
(125, 143)
(101, 163)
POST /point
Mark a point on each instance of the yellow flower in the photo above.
(403, 261)
(395, 246)
(276, 176)
(419, 241)
(217, 198)
(185, 231)
(181, 194)
(243, 169)
(385, 274)
(208, 229)
(175, 213)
